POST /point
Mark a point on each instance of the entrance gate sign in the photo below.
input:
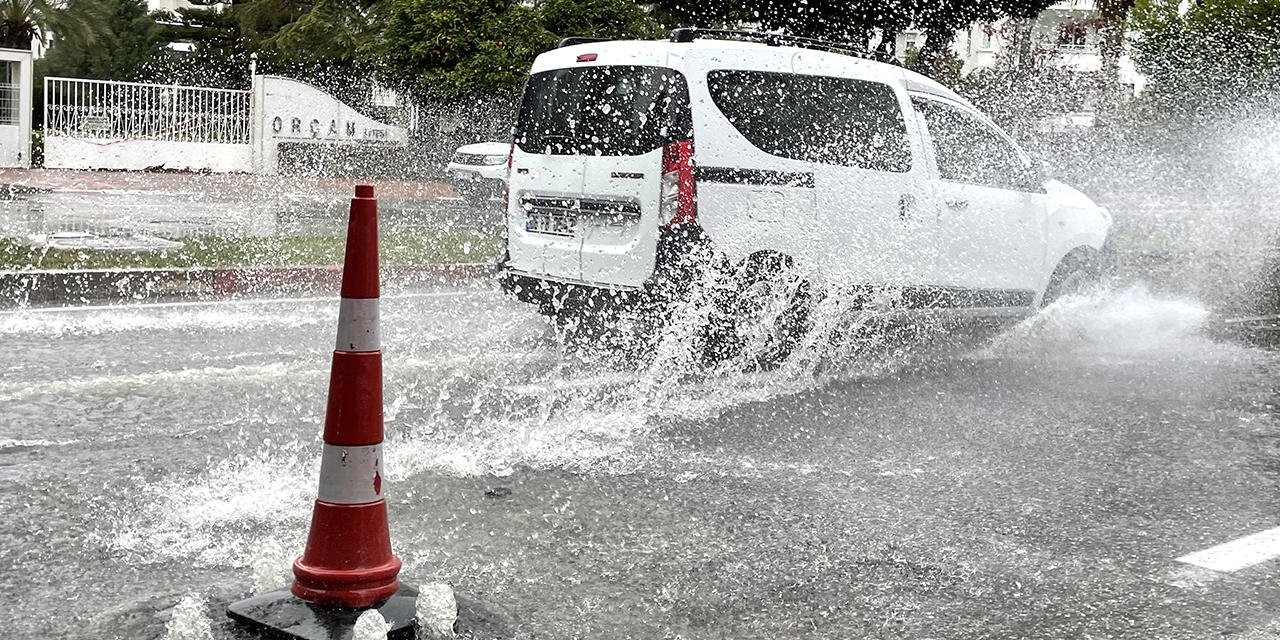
(295, 112)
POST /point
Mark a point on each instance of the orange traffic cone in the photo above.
(348, 560)
(347, 565)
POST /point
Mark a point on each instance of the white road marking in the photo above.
(235, 301)
(1237, 554)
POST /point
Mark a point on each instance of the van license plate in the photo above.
(549, 223)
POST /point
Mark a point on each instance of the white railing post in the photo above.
(46, 104)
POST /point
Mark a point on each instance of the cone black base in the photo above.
(280, 614)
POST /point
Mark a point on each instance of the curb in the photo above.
(23, 288)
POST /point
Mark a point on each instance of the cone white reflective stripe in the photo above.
(351, 475)
(358, 325)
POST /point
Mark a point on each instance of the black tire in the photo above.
(759, 279)
(1079, 272)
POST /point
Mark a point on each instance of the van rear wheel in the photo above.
(766, 310)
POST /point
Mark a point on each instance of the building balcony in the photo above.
(1073, 6)
(1072, 57)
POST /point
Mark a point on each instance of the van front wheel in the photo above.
(1079, 272)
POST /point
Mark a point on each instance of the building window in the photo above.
(1072, 35)
(10, 92)
(986, 36)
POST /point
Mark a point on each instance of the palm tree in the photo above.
(24, 21)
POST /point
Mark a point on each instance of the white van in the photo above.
(778, 153)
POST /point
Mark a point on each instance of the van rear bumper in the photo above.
(554, 296)
(553, 293)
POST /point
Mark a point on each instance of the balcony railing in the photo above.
(1074, 5)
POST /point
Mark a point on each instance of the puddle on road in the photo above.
(53, 323)
(468, 398)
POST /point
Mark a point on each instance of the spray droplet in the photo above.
(371, 626)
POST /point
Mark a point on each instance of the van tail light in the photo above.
(678, 202)
(506, 184)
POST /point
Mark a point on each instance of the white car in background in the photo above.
(778, 156)
(478, 171)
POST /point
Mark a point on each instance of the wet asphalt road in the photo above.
(1037, 486)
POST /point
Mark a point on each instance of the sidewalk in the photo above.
(109, 286)
(38, 203)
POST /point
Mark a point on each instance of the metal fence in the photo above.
(108, 110)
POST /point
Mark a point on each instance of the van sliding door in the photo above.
(836, 153)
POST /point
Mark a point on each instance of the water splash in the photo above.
(370, 626)
(245, 511)
(9, 443)
(517, 392)
(436, 609)
(189, 621)
(1110, 323)
(272, 565)
(590, 397)
(132, 383)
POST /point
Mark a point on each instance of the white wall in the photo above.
(15, 146)
(15, 140)
(136, 155)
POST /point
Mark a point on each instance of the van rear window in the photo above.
(604, 111)
(840, 121)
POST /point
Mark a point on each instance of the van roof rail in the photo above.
(570, 41)
(689, 34)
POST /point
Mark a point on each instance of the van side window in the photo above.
(840, 121)
(969, 150)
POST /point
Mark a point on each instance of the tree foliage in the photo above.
(218, 55)
(328, 32)
(25, 21)
(858, 21)
(126, 42)
(458, 47)
(1217, 53)
(597, 19)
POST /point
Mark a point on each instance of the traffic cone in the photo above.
(348, 560)
(347, 565)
